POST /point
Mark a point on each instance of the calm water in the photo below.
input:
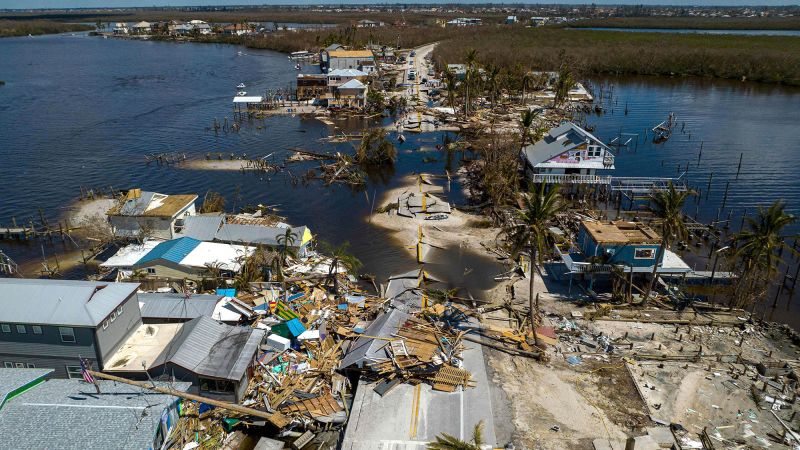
(689, 30)
(82, 111)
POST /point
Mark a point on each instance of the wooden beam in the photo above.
(277, 419)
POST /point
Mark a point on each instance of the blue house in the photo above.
(630, 245)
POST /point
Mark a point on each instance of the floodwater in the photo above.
(83, 111)
(695, 31)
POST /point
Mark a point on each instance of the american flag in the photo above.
(87, 377)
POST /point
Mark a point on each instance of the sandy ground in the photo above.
(460, 229)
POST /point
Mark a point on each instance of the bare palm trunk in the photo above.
(651, 286)
(533, 305)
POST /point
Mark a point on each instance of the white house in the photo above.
(120, 28)
(567, 154)
(339, 77)
(142, 213)
(142, 27)
(350, 59)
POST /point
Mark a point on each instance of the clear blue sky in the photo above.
(30, 4)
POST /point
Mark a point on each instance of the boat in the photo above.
(240, 86)
(297, 66)
(241, 93)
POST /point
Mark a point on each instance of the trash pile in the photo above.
(321, 332)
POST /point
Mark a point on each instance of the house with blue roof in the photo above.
(188, 258)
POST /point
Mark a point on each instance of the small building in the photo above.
(324, 56)
(188, 258)
(366, 23)
(120, 28)
(179, 28)
(143, 214)
(568, 154)
(200, 26)
(464, 22)
(124, 259)
(459, 70)
(311, 86)
(352, 94)
(216, 358)
(36, 412)
(632, 246)
(247, 230)
(350, 59)
(142, 27)
(52, 323)
(538, 21)
(338, 77)
(236, 29)
(511, 20)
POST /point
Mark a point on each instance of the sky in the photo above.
(33, 4)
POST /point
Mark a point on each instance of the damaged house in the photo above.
(149, 214)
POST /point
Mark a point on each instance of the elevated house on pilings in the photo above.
(568, 154)
(630, 247)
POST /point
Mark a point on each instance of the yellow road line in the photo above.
(415, 411)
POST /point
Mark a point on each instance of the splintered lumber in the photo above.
(279, 420)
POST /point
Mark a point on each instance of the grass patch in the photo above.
(10, 28)
(693, 23)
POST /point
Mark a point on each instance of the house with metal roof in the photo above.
(216, 358)
(54, 413)
(170, 307)
(248, 231)
(141, 214)
(53, 323)
(351, 59)
(568, 154)
(352, 94)
(323, 55)
(189, 258)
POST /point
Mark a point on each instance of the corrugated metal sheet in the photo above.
(212, 349)
(366, 349)
(60, 302)
(256, 234)
(174, 250)
(202, 228)
(176, 306)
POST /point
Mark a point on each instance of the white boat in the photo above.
(297, 66)
(440, 216)
(241, 93)
(240, 86)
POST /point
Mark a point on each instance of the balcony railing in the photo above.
(560, 178)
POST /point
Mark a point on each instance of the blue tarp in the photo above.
(295, 327)
(227, 292)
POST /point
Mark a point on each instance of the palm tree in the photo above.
(450, 79)
(526, 122)
(447, 442)
(564, 84)
(531, 230)
(493, 80)
(527, 79)
(667, 206)
(341, 258)
(471, 60)
(286, 242)
(758, 249)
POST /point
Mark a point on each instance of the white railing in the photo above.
(560, 178)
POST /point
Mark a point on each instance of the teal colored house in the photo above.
(630, 245)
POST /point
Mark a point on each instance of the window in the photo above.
(21, 329)
(151, 271)
(644, 253)
(211, 385)
(8, 365)
(113, 316)
(20, 365)
(119, 310)
(31, 366)
(74, 372)
(36, 329)
(105, 324)
(6, 328)
(67, 334)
